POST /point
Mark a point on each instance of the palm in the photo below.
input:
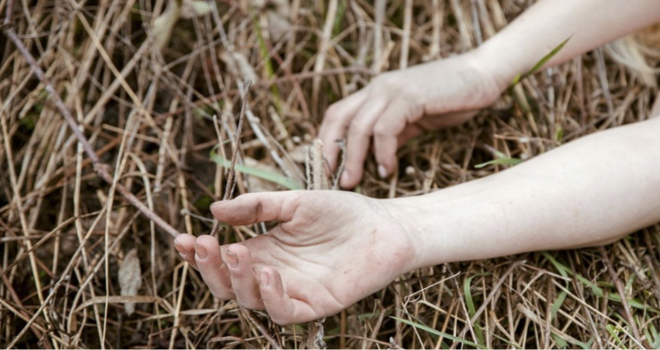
(329, 251)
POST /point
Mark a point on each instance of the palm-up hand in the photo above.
(330, 250)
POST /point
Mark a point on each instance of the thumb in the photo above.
(251, 208)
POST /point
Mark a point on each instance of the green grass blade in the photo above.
(547, 57)
(598, 291)
(563, 270)
(500, 161)
(541, 62)
(260, 173)
(557, 304)
(470, 304)
(561, 343)
(438, 333)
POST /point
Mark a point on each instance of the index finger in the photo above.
(252, 208)
(337, 119)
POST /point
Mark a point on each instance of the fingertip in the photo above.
(207, 241)
(382, 171)
(270, 279)
(346, 180)
(235, 256)
(244, 277)
(263, 277)
(184, 241)
(352, 175)
(386, 165)
(238, 249)
(282, 309)
(272, 295)
(217, 208)
(184, 244)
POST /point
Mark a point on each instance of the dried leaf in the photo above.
(298, 153)
(164, 24)
(239, 63)
(130, 278)
(278, 14)
(113, 299)
(191, 9)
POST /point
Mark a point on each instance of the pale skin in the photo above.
(331, 248)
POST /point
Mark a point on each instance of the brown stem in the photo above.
(237, 143)
(619, 286)
(252, 318)
(8, 12)
(100, 167)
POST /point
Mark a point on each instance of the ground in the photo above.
(157, 87)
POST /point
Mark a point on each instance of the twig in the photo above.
(250, 316)
(8, 12)
(342, 163)
(237, 143)
(100, 168)
(605, 86)
(315, 335)
(318, 170)
(624, 301)
(229, 189)
(324, 45)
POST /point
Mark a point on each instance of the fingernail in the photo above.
(382, 171)
(345, 176)
(231, 259)
(264, 279)
(177, 246)
(214, 204)
(200, 252)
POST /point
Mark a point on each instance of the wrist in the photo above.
(460, 223)
(492, 58)
(428, 229)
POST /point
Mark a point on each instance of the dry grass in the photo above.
(149, 114)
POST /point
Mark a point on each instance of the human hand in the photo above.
(400, 105)
(329, 250)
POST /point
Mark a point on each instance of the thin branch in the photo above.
(619, 286)
(102, 169)
(237, 143)
(8, 12)
(252, 318)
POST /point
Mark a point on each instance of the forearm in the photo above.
(589, 23)
(589, 192)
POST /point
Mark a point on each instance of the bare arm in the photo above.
(332, 248)
(589, 23)
(589, 192)
(399, 105)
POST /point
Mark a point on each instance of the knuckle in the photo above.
(359, 129)
(385, 82)
(332, 112)
(241, 199)
(382, 129)
(384, 79)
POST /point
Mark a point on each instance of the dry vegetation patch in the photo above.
(157, 88)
